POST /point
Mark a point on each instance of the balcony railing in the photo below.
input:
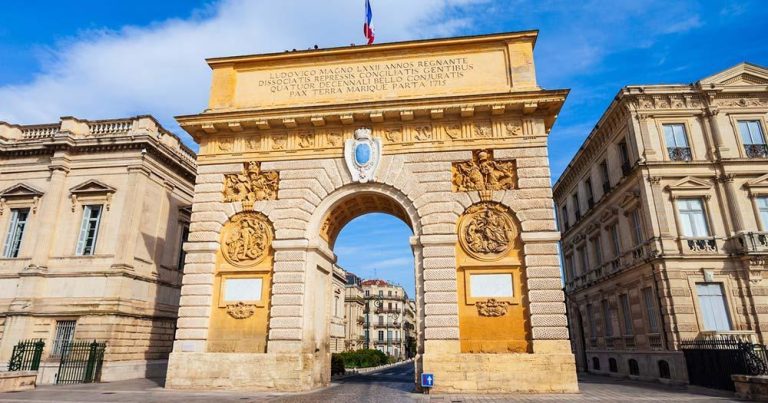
(629, 341)
(752, 242)
(679, 153)
(388, 310)
(625, 168)
(393, 340)
(700, 245)
(756, 150)
(654, 340)
(748, 336)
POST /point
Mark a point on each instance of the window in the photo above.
(762, 208)
(597, 250)
(564, 218)
(584, 259)
(677, 142)
(595, 363)
(590, 194)
(664, 370)
(389, 293)
(569, 267)
(65, 333)
(626, 314)
(712, 304)
(753, 138)
(336, 306)
(182, 254)
(637, 226)
(381, 320)
(15, 232)
(624, 154)
(634, 369)
(89, 230)
(576, 206)
(381, 293)
(591, 320)
(381, 335)
(612, 365)
(607, 322)
(389, 335)
(650, 310)
(692, 219)
(367, 293)
(606, 177)
(367, 335)
(615, 241)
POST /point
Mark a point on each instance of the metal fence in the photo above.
(81, 362)
(26, 355)
(711, 362)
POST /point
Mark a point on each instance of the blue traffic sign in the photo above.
(427, 380)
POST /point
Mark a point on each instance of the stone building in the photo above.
(664, 219)
(389, 317)
(338, 302)
(93, 215)
(354, 313)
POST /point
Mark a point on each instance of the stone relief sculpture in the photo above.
(483, 173)
(246, 239)
(241, 310)
(487, 231)
(251, 185)
(491, 308)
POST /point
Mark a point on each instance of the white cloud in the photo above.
(160, 69)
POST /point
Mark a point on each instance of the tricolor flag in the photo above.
(367, 27)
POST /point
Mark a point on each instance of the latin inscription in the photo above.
(367, 78)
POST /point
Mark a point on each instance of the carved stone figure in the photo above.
(241, 310)
(253, 144)
(334, 139)
(423, 133)
(251, 185)
(279, 142)
(453, 131)
(487, 231)
(393, 135)
(514, 128)
(483, 131)
(483, 173)
(246, 238)
(306, 140)
(491, 308)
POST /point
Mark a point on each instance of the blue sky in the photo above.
(100, 59)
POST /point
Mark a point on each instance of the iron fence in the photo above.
(711, 362)
(81, 362)
(26, 355)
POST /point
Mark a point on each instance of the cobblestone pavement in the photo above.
(394, 384)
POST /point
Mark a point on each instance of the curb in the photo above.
(357, 371)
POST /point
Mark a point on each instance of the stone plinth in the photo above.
(17, 380)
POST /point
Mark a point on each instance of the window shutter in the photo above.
(83, 230)
(11, 232)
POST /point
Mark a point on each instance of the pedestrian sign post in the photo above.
(427, 381)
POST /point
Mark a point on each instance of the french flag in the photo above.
(367, 27)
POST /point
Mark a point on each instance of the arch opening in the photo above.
(355, 206)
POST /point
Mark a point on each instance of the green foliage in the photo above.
(337, 365)
(363, 358)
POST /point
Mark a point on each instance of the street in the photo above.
(394, 384)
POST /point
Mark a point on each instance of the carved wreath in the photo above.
(246, 238)
(241, 310)
(491, 308)
(486, 231)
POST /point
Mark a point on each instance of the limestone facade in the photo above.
(354, 313)
(461, 127)
(93, 215)
(664, 220)
(388, 317)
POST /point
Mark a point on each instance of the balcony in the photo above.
(756, 150)
(392, 341)
(629, 342)
(748, 336)
(679, 153)
(387, 325)
(654, 341)
(752, 242)
(388, 310)
(699, 245)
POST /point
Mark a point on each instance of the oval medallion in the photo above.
(362, 153)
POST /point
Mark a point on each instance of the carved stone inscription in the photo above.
(251, 185)
(484, 173)
(246, 238)
(487, 231)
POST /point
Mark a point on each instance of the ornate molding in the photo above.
(246, 238)
(251, 185)
(483, 173)
(487, 231)
(241, 310)
(491, 308)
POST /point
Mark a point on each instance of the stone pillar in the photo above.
(732, 199)
(49, 212)
(130, 221)
(717, 138)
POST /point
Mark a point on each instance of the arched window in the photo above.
(664, 370)
(634, 369)
(595, 363)
(612, 366)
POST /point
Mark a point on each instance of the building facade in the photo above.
(663, 213)
(338, 302)
(354, 313)
(93, 215)
(389, 317)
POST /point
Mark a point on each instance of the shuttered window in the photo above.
(89, 230)
(15, 232)
(712, 304)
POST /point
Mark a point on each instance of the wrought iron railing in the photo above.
(654, 341)
(712, 361)
(756, 150)
(679, 153)
(26, 355)
(81, 362)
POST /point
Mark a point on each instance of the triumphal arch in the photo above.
(448, 135)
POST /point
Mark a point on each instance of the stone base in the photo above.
(17, 380)
(751, 387)
(121, 370)
(283, 372)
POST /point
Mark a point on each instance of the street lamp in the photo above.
(379, 302)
